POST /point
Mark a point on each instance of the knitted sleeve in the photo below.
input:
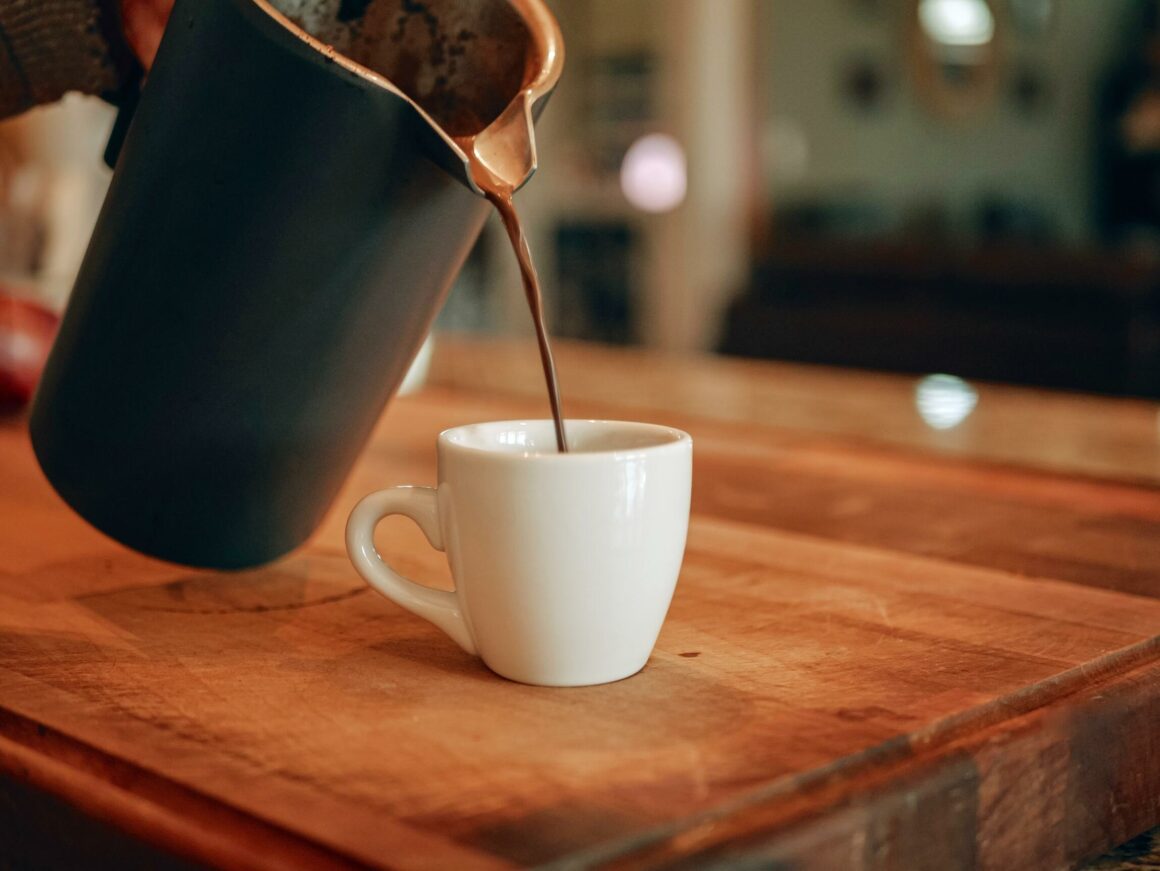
(48, 47)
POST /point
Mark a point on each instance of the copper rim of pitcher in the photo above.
(547, 40)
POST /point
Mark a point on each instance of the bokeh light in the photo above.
(654, 175)
(957, 22)
(944, 401)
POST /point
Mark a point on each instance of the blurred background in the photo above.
(957, 186)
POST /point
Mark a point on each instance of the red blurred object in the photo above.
(27, 330)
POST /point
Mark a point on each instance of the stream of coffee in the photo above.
(500, 194)
(502, 200)
(455, 58)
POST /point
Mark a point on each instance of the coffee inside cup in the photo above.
(537, 437)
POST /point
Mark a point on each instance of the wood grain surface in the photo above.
(889, 648)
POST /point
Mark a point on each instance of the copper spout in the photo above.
(475, 71)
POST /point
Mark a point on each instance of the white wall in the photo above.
(690, 260)
(901, 155)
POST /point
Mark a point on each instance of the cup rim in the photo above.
(676, 440)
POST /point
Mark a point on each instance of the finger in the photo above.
(144, 25)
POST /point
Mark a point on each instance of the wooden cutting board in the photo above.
(879, 656)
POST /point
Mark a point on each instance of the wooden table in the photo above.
(891, 647)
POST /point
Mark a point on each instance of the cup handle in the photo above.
(421, 505)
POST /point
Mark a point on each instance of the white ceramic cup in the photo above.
(564, 564)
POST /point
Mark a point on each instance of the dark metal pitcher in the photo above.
(283, 224)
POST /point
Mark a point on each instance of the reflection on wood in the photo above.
(1082, 434)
